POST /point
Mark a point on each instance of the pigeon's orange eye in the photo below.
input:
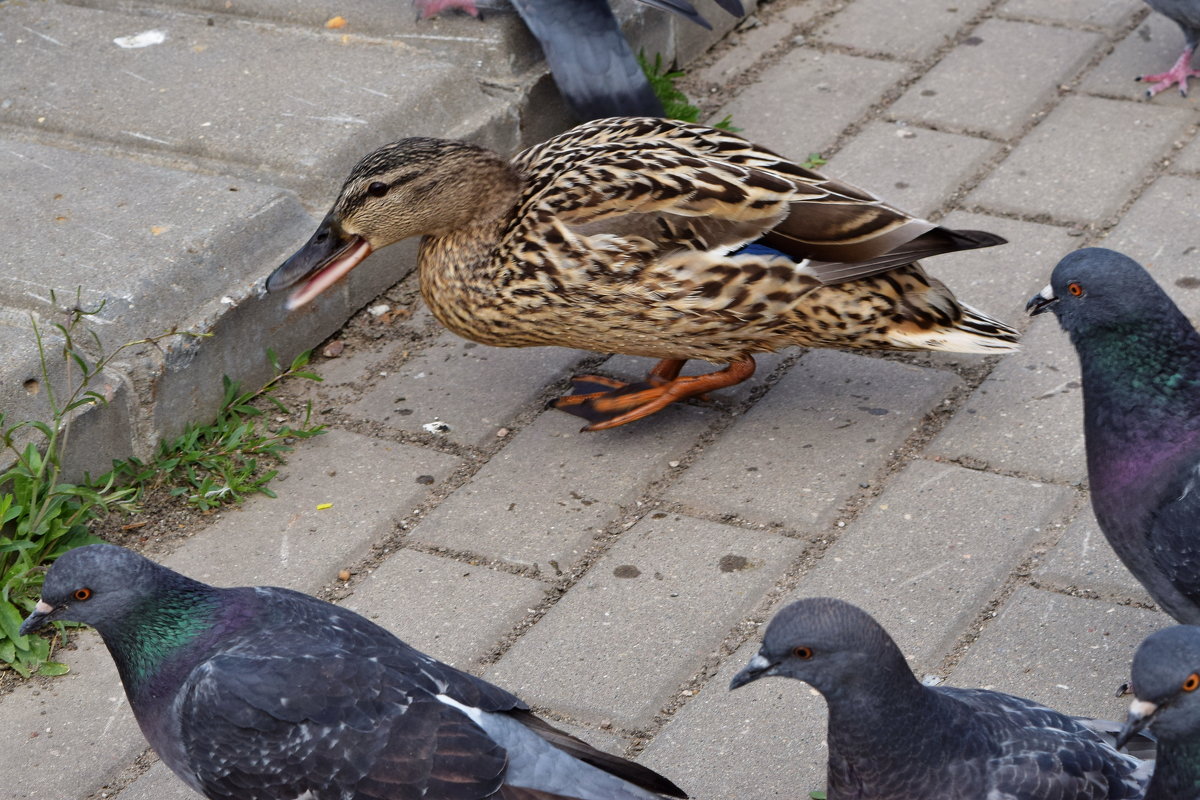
(1075, 289)
(802, 652)
(1191, 683)
(82, 594)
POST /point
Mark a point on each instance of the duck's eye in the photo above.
(1191, 683)
(1075, 289)
(378, 189)
(802, 652)
(82, 594)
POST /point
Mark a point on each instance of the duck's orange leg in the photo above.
(623, 403)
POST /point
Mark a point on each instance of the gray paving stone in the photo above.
(542, 499)
(158, 783)
(473, 388)
(932, 549)
(1083, 559)
(1083, 160)
(826, 92)
(745, 48)
(1149, 49)
(1015, 65)
(71, 735)
(914, 29)
(828, 425)
(453, 611)
(766, 739)
(1188, 160)
(192, 93)
(1027, 417)
(287, 541)
(1159, 231)
(666, 594)
(633, 369)
(1068, 653)
(1000, 280)
(1104, 13)
(911, 168)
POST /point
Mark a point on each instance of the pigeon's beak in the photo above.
(758, 667)
(1140, 714)
(37, 619)
(323, 260)
(1041, 301)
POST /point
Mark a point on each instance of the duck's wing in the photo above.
(677, 186)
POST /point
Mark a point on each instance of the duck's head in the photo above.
(412, 187)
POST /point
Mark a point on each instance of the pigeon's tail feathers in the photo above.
(623, 768)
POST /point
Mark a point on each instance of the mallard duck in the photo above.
(622, 236)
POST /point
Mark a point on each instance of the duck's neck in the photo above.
(462, 276)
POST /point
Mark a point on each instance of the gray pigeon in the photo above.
(591, 61)
(1166, 675)
(1186, 14)
(892, 738)
(260, 693)
(1140, 362)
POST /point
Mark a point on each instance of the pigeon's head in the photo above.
(830, 644)
(1095, 288)
(1166, 682)
(412, 187)
(95, 584)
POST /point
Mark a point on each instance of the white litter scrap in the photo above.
(437, 426)
(143, 39)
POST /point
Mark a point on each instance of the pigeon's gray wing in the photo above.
(1038, 752)
(593, 65)
(1174, 535)
(278, 726)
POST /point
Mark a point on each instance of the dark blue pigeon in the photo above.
(1166, 675)
(260, 693)
(892, 738)
(591, 61)
(1186, 14)
(1140, 363)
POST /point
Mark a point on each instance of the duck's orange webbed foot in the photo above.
(608, 403)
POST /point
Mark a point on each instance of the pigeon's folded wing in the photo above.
(337, 720)
(1174, 538)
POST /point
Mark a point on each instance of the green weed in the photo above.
(675, 102)
(222, 462)
(41, 516)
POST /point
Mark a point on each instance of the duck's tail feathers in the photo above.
(973, 332)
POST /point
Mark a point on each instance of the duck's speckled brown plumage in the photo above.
(617, 236)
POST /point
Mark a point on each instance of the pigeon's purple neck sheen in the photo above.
(1141, 397)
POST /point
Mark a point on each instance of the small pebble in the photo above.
(379, 310)
(344, 575)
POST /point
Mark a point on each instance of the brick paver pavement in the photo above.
(617, 580)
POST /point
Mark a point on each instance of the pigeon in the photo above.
(892, 738)
(262, 693)
(1166, 675)
(1186, 14)
(1140, 363)
(591, 61)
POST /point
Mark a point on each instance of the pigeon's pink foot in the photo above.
(1178, 74)
(430, 8)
